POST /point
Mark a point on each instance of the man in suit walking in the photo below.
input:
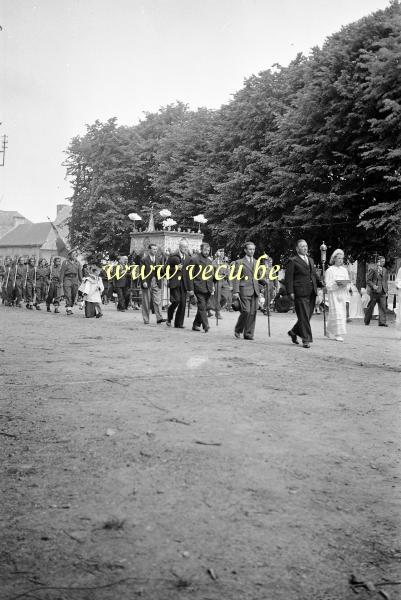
(122, 284)
(151, 285)
(377, 280)
(301, 284)
(177, 285)
(200, 276)
(247, 290)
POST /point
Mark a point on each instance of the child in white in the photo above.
(92, 289)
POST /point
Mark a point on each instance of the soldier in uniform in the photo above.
(55, 288)
(18, 278)
(42, 280)
(70, 278)
(5, 287)
(30, 283)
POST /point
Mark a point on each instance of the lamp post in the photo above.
(323, 250)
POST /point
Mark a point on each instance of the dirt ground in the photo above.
(146, 462)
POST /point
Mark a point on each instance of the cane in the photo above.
(268, 309)
(189, 305)
(217, 303)
(323, 249)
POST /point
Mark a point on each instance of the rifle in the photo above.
(50, 277)
(25, 284)
(34, 289)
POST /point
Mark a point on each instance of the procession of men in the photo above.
(178, 280)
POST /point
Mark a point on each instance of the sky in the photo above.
(66, 63)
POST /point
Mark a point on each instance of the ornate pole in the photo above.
(323, 250)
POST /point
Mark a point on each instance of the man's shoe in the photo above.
(121, 309)
(99, 315)
(69, 311)
(207, 328)
(48, 308)
(179, 326)
(338, 338)
(146, 322)
(195, 328)
(161, 321)
(168, 323)
(38, 307)
(367, 323)
(383, 325)
(56, 310)
(237, 335)
(305, 345)
(248, 337)
(293, 337)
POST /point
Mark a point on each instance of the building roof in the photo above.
(8, 220)
(29, 234)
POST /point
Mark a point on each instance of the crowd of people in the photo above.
(239, 287)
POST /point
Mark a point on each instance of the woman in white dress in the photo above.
(398, 308)
(337, 293)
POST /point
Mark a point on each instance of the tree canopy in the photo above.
(310, 150)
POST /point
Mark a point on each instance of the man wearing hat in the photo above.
(30, 283)
(247, 291)
(70, 278)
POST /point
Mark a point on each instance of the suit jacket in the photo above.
(125, 279)
(146, 263)
(248, 285)
(379, 280)
(301, 279)
(179, 278)
(197, 284)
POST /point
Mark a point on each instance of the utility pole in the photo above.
(4, 144)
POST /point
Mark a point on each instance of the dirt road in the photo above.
(146, 462)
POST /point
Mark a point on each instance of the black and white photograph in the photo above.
(200, 300)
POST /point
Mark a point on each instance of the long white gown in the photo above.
(337, 296)
(398, 307)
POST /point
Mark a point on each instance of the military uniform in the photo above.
(18, 275)
(55, 289)
(30, 280)
(70, 278)
(42, 280)
(6, 286)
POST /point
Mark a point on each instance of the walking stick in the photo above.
(268, 309)
(323, 250)
(189, 305)
(217, 304)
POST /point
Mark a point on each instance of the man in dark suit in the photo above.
(377, 281)
(122, 284)
(301, 282)
(247, 290)
(199, 276)
(177, 285)
(151, 284)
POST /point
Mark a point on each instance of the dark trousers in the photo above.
(18, 291)
(381, 301)
(70, 291)
(29, 292)
(247, 319)
(304, 307)
(201, 314)
(54, 293)
(122, 298)
(177, 301)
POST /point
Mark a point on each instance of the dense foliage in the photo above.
(311, 150)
